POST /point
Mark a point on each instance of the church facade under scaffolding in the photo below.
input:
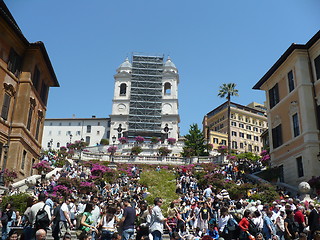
(145, 101)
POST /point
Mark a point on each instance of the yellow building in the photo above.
(292, 87)
(26, 74)
(246, 126)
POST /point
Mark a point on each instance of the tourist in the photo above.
(157, 220)
(41, 234)
(127, 222)
(244, 225)
(291, 230)
(65, 223)
(86, 223)
(7, 217)
(107, 223)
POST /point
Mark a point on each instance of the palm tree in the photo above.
(228, 90)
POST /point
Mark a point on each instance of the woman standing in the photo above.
(290, 227)
(222, 223)
(107, 222)
(244, 225)
(87, 221)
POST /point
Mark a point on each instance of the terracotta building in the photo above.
(26, 74)
(246, 125)
(292, 87)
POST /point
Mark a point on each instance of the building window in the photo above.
(249, 148)
(38, 128)
(223, 142)
(5, 106)
(44, 93)
(23, 160)
(300, 167)
(36, 77)
(249, 136)
(256, 138)
(295, 123)
(59, 132)
(241, 125)
(248, 127)
(51, 124)
(233, 124)
(77, 133)
(290, 81)
(98, 123)
(69, 123)
(123, 89)
(274, 96)
(79, 123)
(277, 136)
(88, 140)
(241, 134)
(233, 133)
(60, 124)
(256, 148)
(29, 118)
(234, 145)
(255, 129)
(241, 145)
(215, 140)
(68, 133)
(317, 66)
(50, 132)
(167, 88)
(88, 128)
(98, 132)
(14, 63)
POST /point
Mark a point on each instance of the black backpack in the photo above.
(253, 228)
(42, 219)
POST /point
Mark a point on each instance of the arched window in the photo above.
(123, 89)
(167, 88)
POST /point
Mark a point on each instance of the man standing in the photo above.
(157, 220)
(65, 223)
(41, 234)
(36, 207)
(129, 216)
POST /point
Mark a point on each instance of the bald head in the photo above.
(41, 234)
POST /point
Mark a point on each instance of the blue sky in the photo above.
(211, 42)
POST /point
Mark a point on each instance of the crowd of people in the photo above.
(119, 211)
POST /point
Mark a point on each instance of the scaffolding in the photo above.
(146, 96)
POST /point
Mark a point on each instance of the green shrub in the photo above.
(17, 201)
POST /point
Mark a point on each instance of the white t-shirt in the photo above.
(64, 208)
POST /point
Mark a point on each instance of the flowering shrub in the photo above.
(9, 175)
(77, 145)
(171, 141)
(42, 166)
(139, 139)
(63, 149)
(86, 187)
(222, 149)
(112, 149)
(123, 140)
(136, 150)
(155, 140)
(61, 190)
(164, 151)
(232, 158)
(265, 160)
(98, 170)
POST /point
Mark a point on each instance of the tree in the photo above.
(194, 142)
(228, 90)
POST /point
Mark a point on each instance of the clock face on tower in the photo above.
(166, 108)
(121, 107)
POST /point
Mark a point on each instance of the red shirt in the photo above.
(299, 217)
(244, 224)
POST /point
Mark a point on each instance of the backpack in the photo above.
(253, 228)
(4, 218)
(232, 224)
(42, 219)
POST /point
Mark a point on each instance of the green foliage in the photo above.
(227, 90)
(160, 184)
(249, 156)
(194, 144)
(155, 140)
(136, 150)
(164, 151)
(17, 201)
(104, 141)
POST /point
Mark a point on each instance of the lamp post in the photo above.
(70, 138)
(112, 152)
(81, 148)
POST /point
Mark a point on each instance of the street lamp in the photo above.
(81, 148)
(70, 138)
(112, 152)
